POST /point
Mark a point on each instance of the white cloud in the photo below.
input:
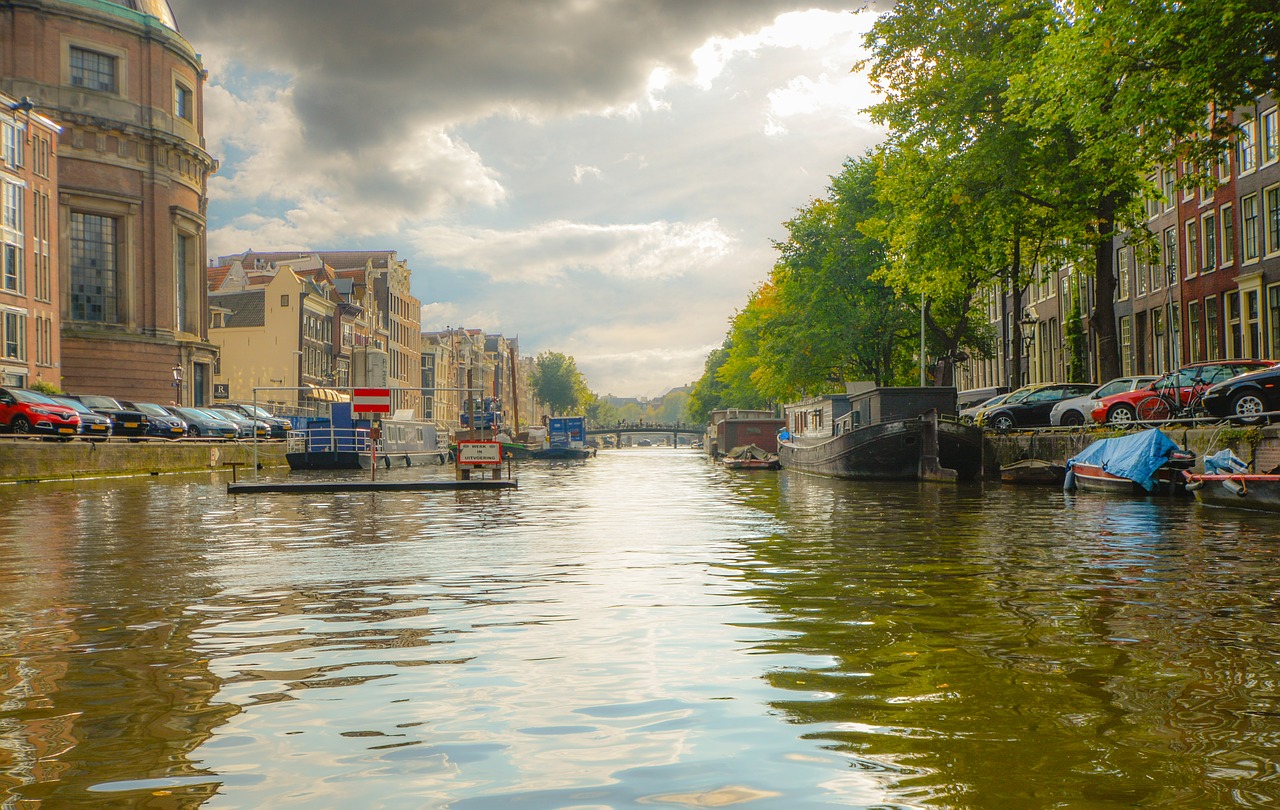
(546, 251)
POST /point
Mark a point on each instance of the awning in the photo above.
(326, 394)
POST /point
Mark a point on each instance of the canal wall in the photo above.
(1260, 446)
(31, 460)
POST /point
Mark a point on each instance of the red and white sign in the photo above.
(479, 453)
(371, 400)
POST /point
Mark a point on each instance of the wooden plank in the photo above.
(367, 486)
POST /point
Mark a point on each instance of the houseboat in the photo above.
(731, 428)
(882, 434)
(343, 443)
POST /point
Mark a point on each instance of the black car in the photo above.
(1245, 398)
(124, 421)
(163, 424)
(1032, 410)
(93, 426)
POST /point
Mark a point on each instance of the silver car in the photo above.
(1077, 410)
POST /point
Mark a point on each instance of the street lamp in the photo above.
(177, 384)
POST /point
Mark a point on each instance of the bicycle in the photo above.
(1168, 404)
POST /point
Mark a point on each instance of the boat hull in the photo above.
(888, 451)
(1255, 492)
(1091, 478)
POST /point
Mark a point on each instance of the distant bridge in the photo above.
(632, 428)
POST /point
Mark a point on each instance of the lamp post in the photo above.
(177, 385)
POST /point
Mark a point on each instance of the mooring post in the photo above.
(930, 469)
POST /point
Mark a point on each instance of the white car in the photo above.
(970, 414)
(1077, 411)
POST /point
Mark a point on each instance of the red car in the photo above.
(23, 411)
(1122, 409)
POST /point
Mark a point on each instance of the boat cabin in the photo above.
(864, 404)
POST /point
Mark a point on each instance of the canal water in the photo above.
(641, 630)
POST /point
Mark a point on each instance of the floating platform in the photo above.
(369, 486)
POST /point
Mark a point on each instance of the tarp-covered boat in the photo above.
(750, 457)
(1144, 463)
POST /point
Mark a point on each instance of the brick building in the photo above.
(127, 90)
(29, 288)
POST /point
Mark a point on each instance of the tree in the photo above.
(967, 189)
(558, 384)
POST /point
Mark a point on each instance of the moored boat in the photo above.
(1226, 481)
(1146, 463)
(342, 444)
(750, 457)
(1033, 471)
(882, 434)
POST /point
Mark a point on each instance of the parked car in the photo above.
(1122, 409)
(247, 427)
(280, 426)
(124, 421)
(1079, 410)
(163, 424)
(93, 426)
(202, 424)
(25, 411)
(1246, 397)
(1032, 408)
(970, 414)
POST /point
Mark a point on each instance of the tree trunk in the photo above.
(1102, 320)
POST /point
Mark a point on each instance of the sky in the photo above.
(601, 178)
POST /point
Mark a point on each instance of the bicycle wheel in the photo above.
(1154, 409)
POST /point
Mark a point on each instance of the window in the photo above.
(1227, 217)
(1224, 165)
(1170, 185)
(1126, 346)
(1122, 273)
(93, 70)
(15, 335)
(1270, 137)
(13, 276)
(1170, 256)
(14, 138)
(1273, 219)
(1213, 350)
(182, 255)
(1246, 145)
(182, 106)
(284, 301)
(1193, 248)
(93, 268)
(1273, 320)
(1252, 324)
(1193, 329)
(1142, 269)
(1249, 214)
(1235, 337)
(13, 207)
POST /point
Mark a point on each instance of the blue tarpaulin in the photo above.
(1136, 457)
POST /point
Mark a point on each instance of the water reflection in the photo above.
(640, 630)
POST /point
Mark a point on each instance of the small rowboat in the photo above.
(750, 457)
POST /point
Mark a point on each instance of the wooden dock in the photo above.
(368, 486)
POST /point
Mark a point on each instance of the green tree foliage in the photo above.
(558, 384)
(967, 186)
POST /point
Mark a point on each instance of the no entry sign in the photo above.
(371, 400)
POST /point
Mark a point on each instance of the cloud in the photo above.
(602, 178)
(548, 250)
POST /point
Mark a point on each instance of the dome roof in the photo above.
(155, 8)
